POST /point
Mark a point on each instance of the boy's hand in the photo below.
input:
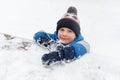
(51, 57)
(67, 53)
(44, 39)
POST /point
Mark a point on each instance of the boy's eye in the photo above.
(61, 29)
(70, 31)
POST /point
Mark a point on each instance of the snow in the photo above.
(99, 21)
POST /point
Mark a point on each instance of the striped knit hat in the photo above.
(70, 20)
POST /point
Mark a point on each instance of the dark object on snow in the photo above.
(64, 54)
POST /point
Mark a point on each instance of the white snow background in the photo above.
(100, 26)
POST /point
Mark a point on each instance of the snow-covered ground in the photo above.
(99, 25)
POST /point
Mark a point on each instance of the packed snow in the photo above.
(99, 20)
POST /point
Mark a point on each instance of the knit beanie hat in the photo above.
(70, 20)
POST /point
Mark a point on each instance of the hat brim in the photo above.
(69, 23)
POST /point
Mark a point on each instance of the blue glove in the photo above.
(44, 40)
(66, 54)
(47, 59)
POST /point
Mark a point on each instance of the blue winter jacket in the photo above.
(81, 47)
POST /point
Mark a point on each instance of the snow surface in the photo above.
(99, 25)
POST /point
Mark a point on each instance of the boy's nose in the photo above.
(64, 33)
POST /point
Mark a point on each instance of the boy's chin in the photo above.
(64, 42)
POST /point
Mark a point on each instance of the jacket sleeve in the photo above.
(46, 40)
(38, 35)
(41, 33)
(80, 48)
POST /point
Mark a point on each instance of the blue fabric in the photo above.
(38, 35)
(79, 49)
(44, 40)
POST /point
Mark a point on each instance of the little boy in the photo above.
(66, 44)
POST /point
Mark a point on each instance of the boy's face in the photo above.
(66, 35)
